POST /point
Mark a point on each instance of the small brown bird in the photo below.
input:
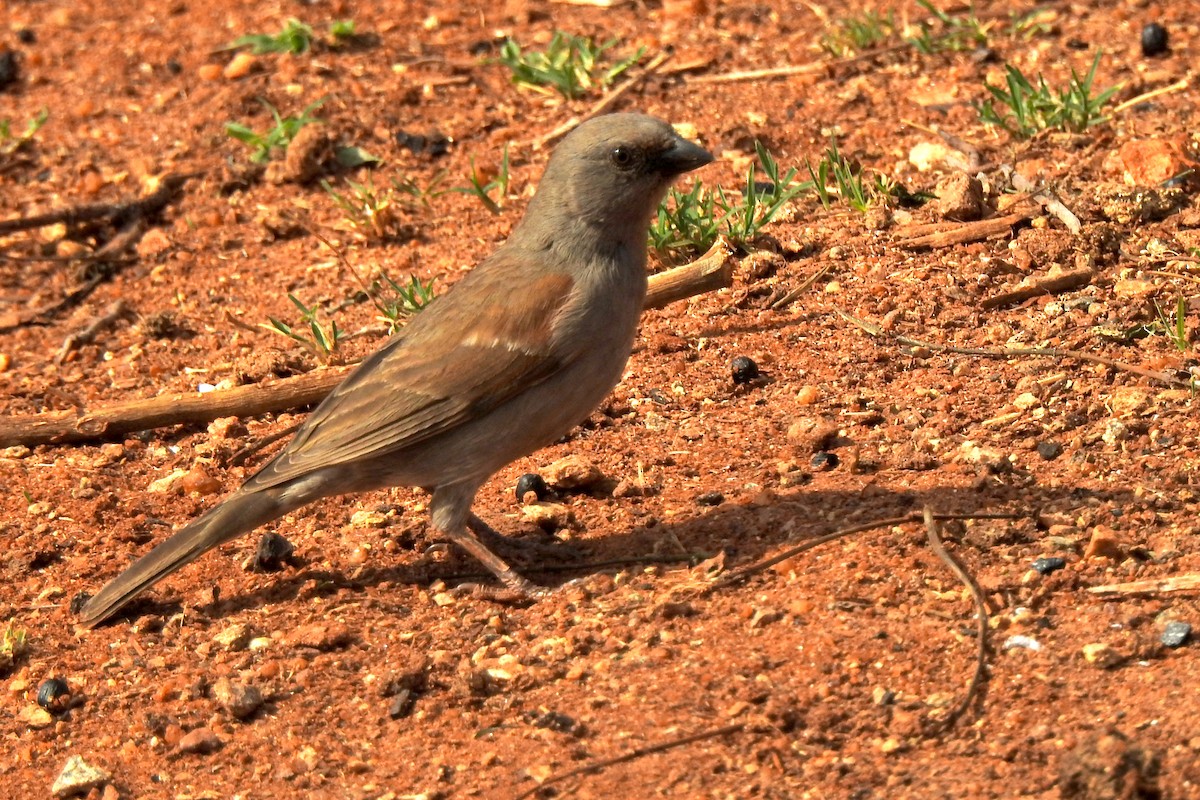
(515, 355)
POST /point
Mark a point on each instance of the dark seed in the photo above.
(174, 67)
(433, 145)
(9, 71)
(273, 552)
(26, 36)
(53, 695)
(1049, 450)
(1176, 634)
(1154, 39)
(1044, 566)
(744, 369)
(710, 499)
(532, 482)
(824, 461)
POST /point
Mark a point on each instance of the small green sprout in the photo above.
(275, 138)
(570, 65)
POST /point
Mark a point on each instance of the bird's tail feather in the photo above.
(236, 515)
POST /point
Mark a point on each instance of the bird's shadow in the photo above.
(745, 532)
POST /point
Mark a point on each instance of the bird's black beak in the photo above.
(683, 156)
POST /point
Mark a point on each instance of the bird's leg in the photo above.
(519, 587)
(527, 548)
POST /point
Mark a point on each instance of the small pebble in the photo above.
(824, 461)
(1018, 642)
(78, 777)
(531, 482)
(239, 66)
(710, 499)
(1049, 450)
(1154, 39)
(573, 472)
(209, 72)
(54, 695)
(1175, 634)
(1049, 564)
(26, 36)
(238, 699)
(200, 740)
(1102, 655)
(744, 369)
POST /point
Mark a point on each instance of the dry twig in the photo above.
(981, 618)
(634, 754)
(966, 232)
(113, 313)
(1176, 583)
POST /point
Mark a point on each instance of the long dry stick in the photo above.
(661, 747)
(118, 212)
(1012, 352)
(711, 271)
(981, 618)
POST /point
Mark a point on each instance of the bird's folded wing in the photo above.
(482, 348)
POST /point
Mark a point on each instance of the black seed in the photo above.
(273, 552)
(744, 369)
(710, 499)
(531, 482)
(26, 36)
(53, 695)
(9, 71)
(174, 67)
(1049, 450)
(1045, 566)
(1154, 40)
(433, 145)
(824, 461)
(1176, 634)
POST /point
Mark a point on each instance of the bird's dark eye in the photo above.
(623, 157)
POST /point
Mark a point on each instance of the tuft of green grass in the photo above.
(14, 643)
(853, 185)
(1024, 108)
(1174, 325)
(570, 65)
(295, 38)
(947, 32)
(373, 213)
(482, 185)
(12, 142)
(315, 336)
(690, 222)
(397, 302)
(275, 138)
(855, 34)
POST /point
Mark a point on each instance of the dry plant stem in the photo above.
(981, 618)
(632, 755)
(791, 296)
(1048, 201)
(1176, 583)
(1012, 352)
(1032, 287)
(711, 271)
(742, 574)
(134, 209)
(113, 313)
(1178, 86)
(605, 103)
(966, 232)
(708, 273)
(794, 69)
(172, 409)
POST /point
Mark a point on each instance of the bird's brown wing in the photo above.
(485, 344)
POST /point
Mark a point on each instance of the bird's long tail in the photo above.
(241, 512)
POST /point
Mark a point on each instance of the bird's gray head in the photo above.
(613, 171)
